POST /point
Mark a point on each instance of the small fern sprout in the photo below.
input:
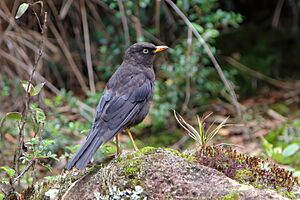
(202, 136)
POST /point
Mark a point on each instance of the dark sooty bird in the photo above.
(125, 101)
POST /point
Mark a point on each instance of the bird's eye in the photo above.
(145, 51)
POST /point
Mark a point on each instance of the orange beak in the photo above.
(160, 49)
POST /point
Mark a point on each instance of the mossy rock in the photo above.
(155, 174)
(249, 170)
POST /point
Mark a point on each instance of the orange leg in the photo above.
(131, 138)
(117, 145)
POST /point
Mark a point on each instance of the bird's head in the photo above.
(143, 53)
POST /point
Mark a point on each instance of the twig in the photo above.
(22, 40)
(233, 97)
(157, 16)
(131, 22)
(98, 21)
(64, 9)
(24, 171)
(10, 20)
(295, 12)
(87, 46)
(28, 69)
(124, 23)
(275, 115)
(277, 13)
(69, 57)
(27, 102)
(258, 75)
(82, 106)
(138, 29)
(188, 75)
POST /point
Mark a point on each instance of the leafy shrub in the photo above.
(283, 145)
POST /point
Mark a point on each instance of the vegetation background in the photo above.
(81, 44)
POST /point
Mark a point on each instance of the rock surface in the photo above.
(160, 174)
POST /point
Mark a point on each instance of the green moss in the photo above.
(231, 196)
(150, 150)
(140, 152)
(132, 167)
(60, 182)
(146, 150)
(131, 164)
(189, 158)
(290, 195)
(258, 185)
(243, 175)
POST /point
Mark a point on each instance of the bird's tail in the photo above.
(85, 153)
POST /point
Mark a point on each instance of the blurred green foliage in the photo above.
(283, 145)
(33, 149)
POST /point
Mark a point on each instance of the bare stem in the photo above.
(87, 46)
(157, 16)
(25, 110)
(261, 76)
(124, 23)
(277, 13)
(188, 75)
(295, 13)
(31, 163)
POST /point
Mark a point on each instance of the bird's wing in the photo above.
(118, 106)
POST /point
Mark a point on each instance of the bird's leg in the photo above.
(131, 138)
(117, 145)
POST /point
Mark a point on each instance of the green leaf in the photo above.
(32, 141)
(33, 90)
(4, 180)
(50, 178)
(2, 196)
(13, 116)
(267, 146)
(36, 90)
(198, 27)
(40, 116)
(10, 172)
(21, 10)
(297, 173)
(25, 83)
(290, 150)
(210, 33)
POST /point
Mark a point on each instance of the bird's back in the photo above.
(129, 86)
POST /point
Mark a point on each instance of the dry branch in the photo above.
(87, 46)
(124, 23)
(69, 57)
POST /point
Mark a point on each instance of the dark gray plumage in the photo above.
(125, 102)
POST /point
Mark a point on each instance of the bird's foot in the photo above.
(132, 140)
(118, 152)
